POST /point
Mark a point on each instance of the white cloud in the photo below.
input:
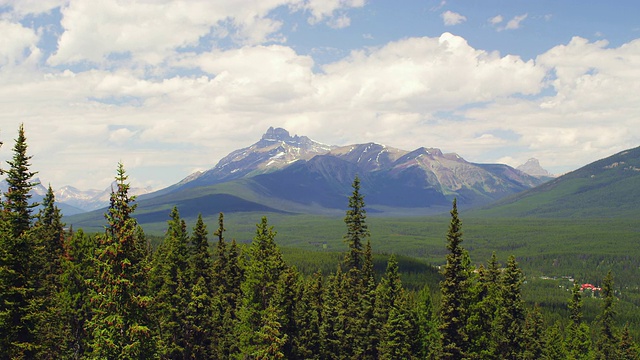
(14, 42)
(150, 32)
(451, 18)
(515, 22)
(496, 20)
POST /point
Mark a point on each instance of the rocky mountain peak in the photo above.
(533, 168)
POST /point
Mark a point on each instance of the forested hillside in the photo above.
(65, 294)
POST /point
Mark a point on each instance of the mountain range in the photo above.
(294, 174)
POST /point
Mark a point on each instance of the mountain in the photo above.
(293, 174)
(606, 188)
(276, 150)
(533, 168)
(89, 200)
(73, 201)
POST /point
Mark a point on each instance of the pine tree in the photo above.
(75, 298)
(332, 328)
(171, 288)
(120, 322)
(483, 308)
(578, 341)
(199, 315)
(511, 313)
(607, 343)
(49, 237)
(628, 349)
(17, 207)
(357, 229)
(308, 312)
(533, 335)
(428, 337)
(455, 293)
(263, 271)
(395, 342)
(554, 346)
(20, 300)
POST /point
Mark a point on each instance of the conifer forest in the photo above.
(67, 294)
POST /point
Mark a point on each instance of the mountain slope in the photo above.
(293, 174)
(609, 187)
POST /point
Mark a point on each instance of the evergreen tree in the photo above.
(387, 293)
(171, 288)
(199, 317)
(332, 328)
(20, 300)
(120, 322)
(482, 310)
(263, 271)
(511, 313)
(357, 229)
(48, 236)
(455, 293)
(607, 344)
(395, 342)
(628, 349)
(428, 337)
(17, 207)
(533, 335)
(554, 346)
(74, 298)
(578, 341)
(308, 312)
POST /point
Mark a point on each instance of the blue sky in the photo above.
(170, 87)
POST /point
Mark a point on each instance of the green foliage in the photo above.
(120, 326)
(455, 289)
(357, 229)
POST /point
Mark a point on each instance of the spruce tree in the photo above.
(263, 271)
(75, 297)
(455, 293)
(357, 229)
(172, 288)
(17, 207)
(120, 322)
(578, 340)
(199, 314)
(20, 285)
(607, 343)
(511, 313)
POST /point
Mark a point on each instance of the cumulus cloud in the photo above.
(151, 32)
(14, 42)
(451, 18)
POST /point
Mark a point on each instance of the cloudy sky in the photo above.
(170, 87)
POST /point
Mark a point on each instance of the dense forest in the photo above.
(65, 294)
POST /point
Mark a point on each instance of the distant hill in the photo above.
(606, 188)
(294, 174)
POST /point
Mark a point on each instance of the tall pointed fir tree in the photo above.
(171, 289)
(49, 238)
(120, 322)
(19, 306)
(608, 339)
(75, 297)
(578, 339)
(199, 313)
(511, 313)
(455, 293)
(357, 229)
(482, 309)
(264, 268)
